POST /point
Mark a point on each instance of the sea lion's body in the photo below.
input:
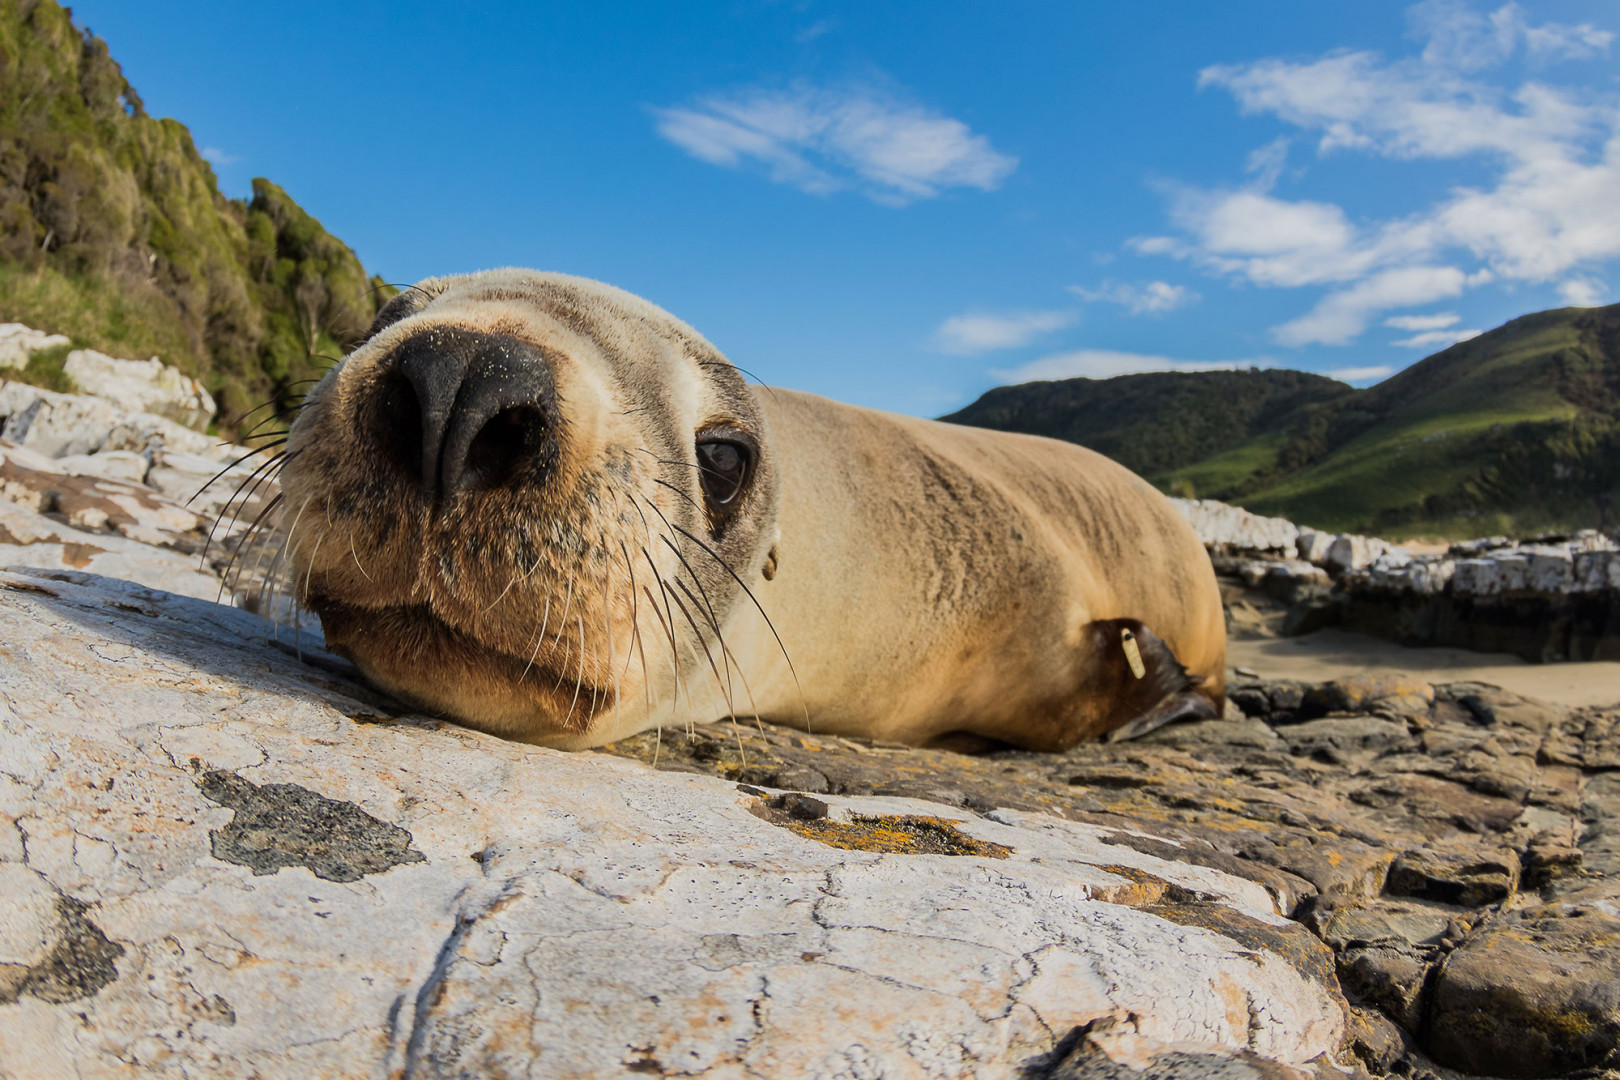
(939, 579)
(542, 554)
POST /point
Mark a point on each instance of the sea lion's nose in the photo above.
(459, 409)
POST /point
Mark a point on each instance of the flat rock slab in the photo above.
(217, 860)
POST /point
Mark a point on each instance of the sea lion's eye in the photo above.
(723, 470)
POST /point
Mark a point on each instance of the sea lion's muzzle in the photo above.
(456, 410)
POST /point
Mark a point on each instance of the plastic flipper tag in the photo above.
(1133, 654)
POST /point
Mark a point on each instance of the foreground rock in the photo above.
(221, 861)
(227, 861)
(1456, 847)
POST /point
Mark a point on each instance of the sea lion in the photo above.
(550, 510)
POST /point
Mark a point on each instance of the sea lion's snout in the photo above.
(456, 410)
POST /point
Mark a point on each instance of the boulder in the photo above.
(1534, 993)
(1313, 546)
(218, 860)
(148, 386)
(58, 425)
(1349, 552)
(1232, 527)
(18, 343)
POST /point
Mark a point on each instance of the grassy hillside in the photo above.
(1154, 423)
(114, 232)
(1517, 431)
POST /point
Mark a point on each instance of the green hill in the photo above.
(1159, 422)
(114, 232)
(1517, 431)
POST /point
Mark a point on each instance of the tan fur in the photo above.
(929, 580)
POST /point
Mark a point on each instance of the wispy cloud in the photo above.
(1361, 374)
(1340, 316)
(823, 140)
(1583, 292)
(217, 156)
(987, 332)
(1546, 211)
(1436, 339)
(819, 28)
(1106, 363)
(1438, 321)
(1153, 298)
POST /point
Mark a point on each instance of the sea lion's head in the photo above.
(526, 500)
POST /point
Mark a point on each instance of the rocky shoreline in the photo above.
(221, 854)
(1546, 599)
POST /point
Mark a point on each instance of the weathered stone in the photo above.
(1349, 552)
(147, 386)
(1375, 1040)
(282, 889)
(1388, 978)
(1313, 546)
(1217, 523)
(1397, 695)
(1114, 1049)
(1532, 993)
(1494, 707)
(18, 343)
(1334, 735)
(60, 424)
(1465, 879)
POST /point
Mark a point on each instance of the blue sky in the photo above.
(904, 204)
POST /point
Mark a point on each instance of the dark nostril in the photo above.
(507, 439)
(397, 422)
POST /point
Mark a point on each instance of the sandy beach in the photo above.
(1331, 654)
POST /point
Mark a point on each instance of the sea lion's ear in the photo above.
(773, 557)
(407, 302)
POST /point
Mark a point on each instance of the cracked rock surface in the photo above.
(1448, 856)
(217, 860)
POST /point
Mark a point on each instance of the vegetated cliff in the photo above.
(113, 230)
(1517, 430)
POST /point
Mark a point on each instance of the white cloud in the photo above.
(1432, 339)
(217, 156)
(985, 332)
(1583, 292)
(822, 141)
(1545, 211)
(1154, 298)
(1106, 363)
(1361, 374)
(1467, 40)
(1340, 316)
(1437, 321)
